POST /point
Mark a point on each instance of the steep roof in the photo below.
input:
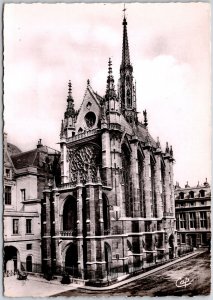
(141, 132)
(25, 159)
(31, 158)
(12, 149)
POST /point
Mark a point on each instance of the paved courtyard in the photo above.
(34, 287)
(195, 271)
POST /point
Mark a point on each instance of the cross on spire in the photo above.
(124, 9)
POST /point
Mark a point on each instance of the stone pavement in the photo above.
(126, 281)
(34, 287)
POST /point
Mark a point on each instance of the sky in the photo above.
(46, 45)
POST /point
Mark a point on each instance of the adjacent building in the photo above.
(25, 177)
(114, 209)
(193, 214)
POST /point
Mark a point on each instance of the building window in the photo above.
(202, 193)
(23, 194)
(182, 220)
(192, 220)
(15, 226)
(29, 263)
(29, 247)
(181, 195)
(7, 195)
(202, 202)
(183, 238)
(8, 173)
(191, 194)
(28, 225)
(203, 219)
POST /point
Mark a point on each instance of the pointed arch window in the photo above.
(70, 215)
(129, 102)
(153, 193)
(141, 185)
(127, 180)
(106, 214)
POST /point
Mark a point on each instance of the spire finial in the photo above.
(158, 143)
(145, 118)
(171, 151)
(110, 66)
(110, 90)
(167, 147)
(69, 88)
(88, 82)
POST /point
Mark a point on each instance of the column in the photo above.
(167, 185)
(57, 228)
(172, 187)
(106, 158)
(46, 238)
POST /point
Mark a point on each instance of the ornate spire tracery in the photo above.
(70, 111)
(110, 90)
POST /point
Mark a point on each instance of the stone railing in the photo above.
(115, 126)
(66, 186)
(82, 135)
(68, 233)
(168, 214)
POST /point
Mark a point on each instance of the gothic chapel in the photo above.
(114, 210)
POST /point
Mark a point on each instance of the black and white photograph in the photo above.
(106, 149)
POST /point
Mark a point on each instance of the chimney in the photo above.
(39, 145)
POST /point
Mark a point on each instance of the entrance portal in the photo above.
(71, 260)
(10, 260)
(108, 257)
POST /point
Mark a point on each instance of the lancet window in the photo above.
(127, 180)
(141, 185)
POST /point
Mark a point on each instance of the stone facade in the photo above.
(193, 215)
(25, 176)
(114, 209)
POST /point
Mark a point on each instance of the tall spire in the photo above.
(125, 48)
(127, 94)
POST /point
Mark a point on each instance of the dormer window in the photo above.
(202, 193)
(181, 195)
(191, 194)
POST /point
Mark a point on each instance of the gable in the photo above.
(89, 113)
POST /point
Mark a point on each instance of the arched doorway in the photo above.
(10, 260)
(108, 257)
(171, 244)
(29, 263)
(106, 214)
(71, 260)
(70, 215)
